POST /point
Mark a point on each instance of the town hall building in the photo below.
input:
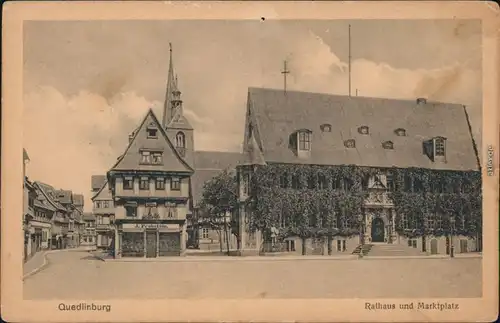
(328, 173)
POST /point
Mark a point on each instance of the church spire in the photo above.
(167, 107)
(176, 103)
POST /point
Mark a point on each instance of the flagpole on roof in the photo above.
(349, 40)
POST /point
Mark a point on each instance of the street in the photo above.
(77, 275)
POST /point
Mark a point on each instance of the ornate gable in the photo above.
(150, 150)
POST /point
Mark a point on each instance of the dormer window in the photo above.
(439, 146)
(364, 130)
(388, 145)
(400, 132)
(326, 127)
(421, 101)
(152, 131)
(304, 140)
(350, 143)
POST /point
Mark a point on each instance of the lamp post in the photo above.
(390, 230)
(362, 232)
(452, 224)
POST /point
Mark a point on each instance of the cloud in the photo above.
(71, 137)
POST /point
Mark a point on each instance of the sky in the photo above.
(87, 84)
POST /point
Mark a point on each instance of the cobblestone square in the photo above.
(77, 275)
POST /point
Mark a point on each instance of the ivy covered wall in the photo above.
(314, 201)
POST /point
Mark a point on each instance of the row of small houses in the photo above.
(52, 218)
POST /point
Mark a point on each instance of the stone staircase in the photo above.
(393, 250)
(366, 249)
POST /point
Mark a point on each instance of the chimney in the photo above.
(421, 101)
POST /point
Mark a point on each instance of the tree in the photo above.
(219, 199)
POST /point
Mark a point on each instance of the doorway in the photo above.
(434, 247)
(378, 230)
(150, 244)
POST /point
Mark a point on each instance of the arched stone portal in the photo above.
(378, 230)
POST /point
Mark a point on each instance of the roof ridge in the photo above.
(252, 88)
(47, 197)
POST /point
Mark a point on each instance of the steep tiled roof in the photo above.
(28, 183)
(98, 181)
(130, 160)
(49, 193)
(103, 193)
(41, 201)
(277, 116)
(198, 179)
(78, 199)
(87, 216)
(209, 164)
(216, 159)
(64, 196)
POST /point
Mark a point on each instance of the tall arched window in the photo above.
(180, 143)
(180, 140)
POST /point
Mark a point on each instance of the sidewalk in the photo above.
(108, 258)
(458, 255)
(39, 260)
(224, 258)
(35, 262)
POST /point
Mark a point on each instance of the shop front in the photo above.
(150, 240)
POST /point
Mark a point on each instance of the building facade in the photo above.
(150, 189)
(65, 218)
(89, 234)
(30, 246)
(104, 211)
(325, 174)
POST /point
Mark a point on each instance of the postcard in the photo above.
(250, 161)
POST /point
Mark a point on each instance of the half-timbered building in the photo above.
(150, 188)
(103, 211)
